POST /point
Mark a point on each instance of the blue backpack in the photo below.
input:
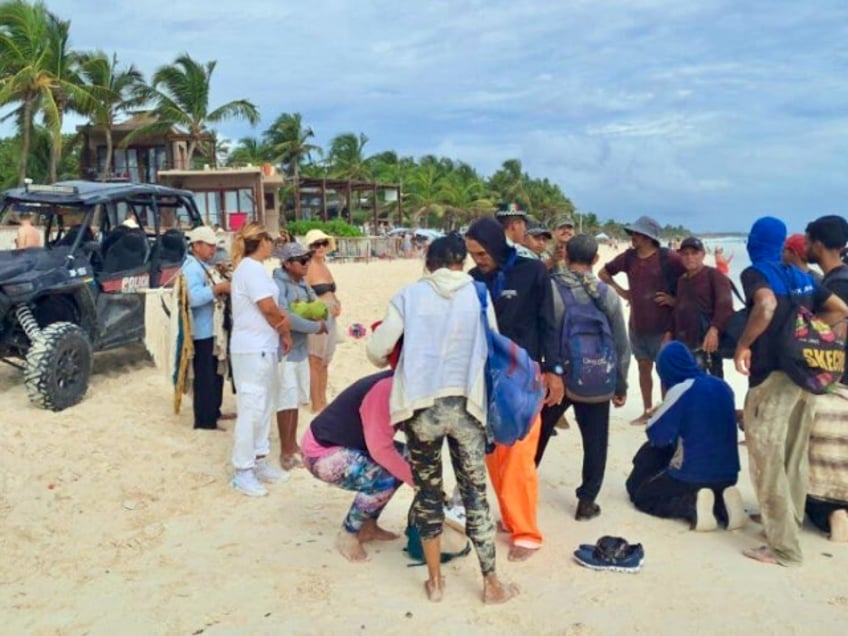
(588, 349)
(514, 387)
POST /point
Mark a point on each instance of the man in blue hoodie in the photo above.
(778, 413)
(689, 466)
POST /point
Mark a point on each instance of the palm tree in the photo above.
(113, 90)
(249, 150)
(37, 71)
(289, 144)
(180, 93)
(347, 158)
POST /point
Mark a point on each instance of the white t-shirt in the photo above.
(251, 332)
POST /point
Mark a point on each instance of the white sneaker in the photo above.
(455, 516)
(270, 474)
(246, 483)
(705, 521)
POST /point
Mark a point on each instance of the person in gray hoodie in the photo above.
(294, 368)
(578, 284)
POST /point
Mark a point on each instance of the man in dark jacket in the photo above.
(523, 300)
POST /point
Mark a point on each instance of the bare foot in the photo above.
(763, 554)
(519, 553)
(642, 419)
(435, 589)
(290, 462)
(495, 592)
(370, 531)
(349, 547)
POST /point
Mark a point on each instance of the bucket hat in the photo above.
(645, 226)
(314, 236)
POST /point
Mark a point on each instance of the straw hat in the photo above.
(313, 236)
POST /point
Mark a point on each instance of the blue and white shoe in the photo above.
(611, 553)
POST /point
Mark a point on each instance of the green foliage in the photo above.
(333, 228)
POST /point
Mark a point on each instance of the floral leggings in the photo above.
(425, 434)
(354, 470)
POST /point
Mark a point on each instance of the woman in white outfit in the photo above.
(260, 338)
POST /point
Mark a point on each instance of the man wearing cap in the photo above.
(827, 497)
(652, 272)
(294, 369)
(536, 240)
(522, 296)
(202, 292)
(514, 222)
(563, 231)
(702, 306)
(795, 253)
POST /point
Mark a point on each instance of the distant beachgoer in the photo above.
(28, 236)
(294, 369)
(778, 413)
(203, 293)
(722, 262)
(261, 335)
(702, 306)
(689, 466)
(795, 253)
(350, 444)
(439, 392)
(652, 272)
(321, 346)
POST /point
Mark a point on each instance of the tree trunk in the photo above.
(56, 147)
(26, 135)
(297, 190)
(107, 165)
(192, 146)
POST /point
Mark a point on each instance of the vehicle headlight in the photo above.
(16, 289)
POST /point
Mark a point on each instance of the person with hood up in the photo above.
(689, 466)
(439, 392)
(522, 296)
(592, 414)
(778, 412)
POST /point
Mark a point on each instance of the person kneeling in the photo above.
(689, 466)
(350, 445)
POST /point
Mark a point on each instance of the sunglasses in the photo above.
(322, 243)
(303, 260)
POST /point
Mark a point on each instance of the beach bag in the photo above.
(812, 354)
(415, 549)
(514, 387)
(588, 349)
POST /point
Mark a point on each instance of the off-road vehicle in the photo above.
(82, 291)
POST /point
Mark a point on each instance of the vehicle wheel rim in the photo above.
(68, 369)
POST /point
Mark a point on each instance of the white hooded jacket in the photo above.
(444, 344)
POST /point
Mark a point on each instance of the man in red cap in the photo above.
(795, 253)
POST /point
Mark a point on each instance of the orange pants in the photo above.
(512, 470)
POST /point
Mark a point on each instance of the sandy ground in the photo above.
(118, 518)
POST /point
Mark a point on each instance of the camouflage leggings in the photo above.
(425, 433)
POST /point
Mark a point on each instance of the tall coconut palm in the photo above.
(249, 150)
(347, 157)
(37, 72)
(180, 94)
(112, 90)
(288, 140)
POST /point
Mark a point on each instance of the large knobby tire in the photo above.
(58, 366)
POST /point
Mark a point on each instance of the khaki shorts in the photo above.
(324, 345)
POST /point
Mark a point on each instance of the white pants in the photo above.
(255, 376)
(293, 389)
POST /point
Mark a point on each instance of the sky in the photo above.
(705, 113)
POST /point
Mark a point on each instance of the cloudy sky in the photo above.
(702, 112)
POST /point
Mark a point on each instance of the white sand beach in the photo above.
(117, 518)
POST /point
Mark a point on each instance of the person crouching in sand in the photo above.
(689, 466)
(439, 392)
(350, 445)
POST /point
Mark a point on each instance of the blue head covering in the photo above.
(676, 364)
(765, 248)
